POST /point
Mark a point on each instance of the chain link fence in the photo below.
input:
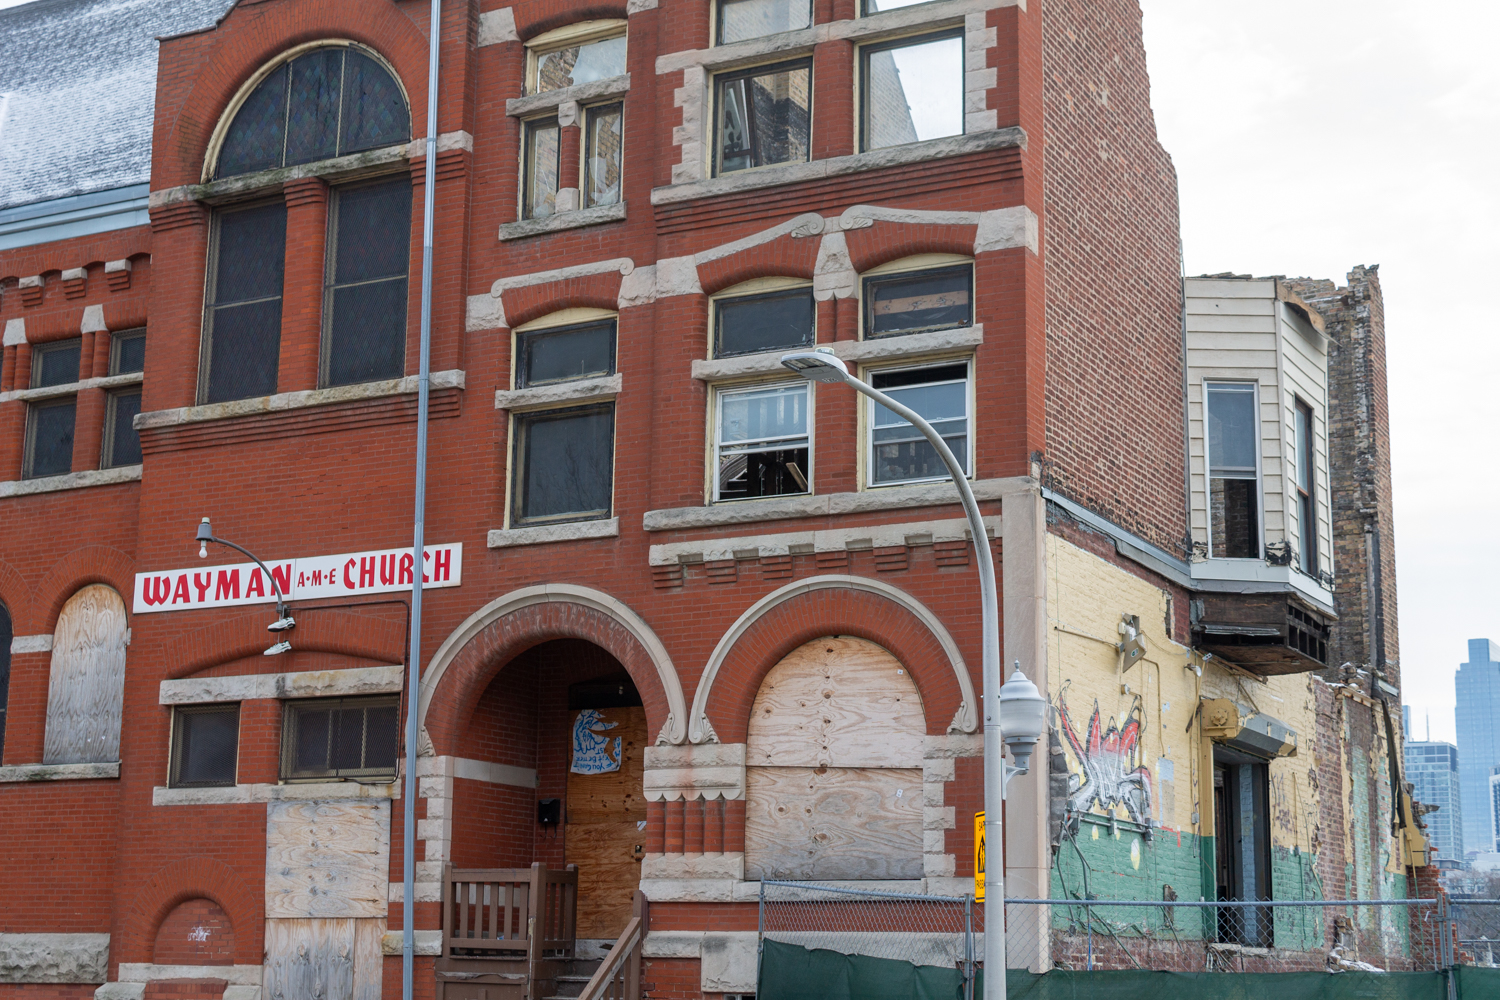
(1477, 932)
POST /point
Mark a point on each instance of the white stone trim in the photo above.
(694, 771)
(978, 78)
(489, 772)
(53, 958)
(15, 332)
(582, 390)
(728, 865)
(31, 644)
(675, 729)
(33, 281)
(71, 481)
(23, 773)
(252, 794)
(636, 6)
(692, 98)
(301, 684)
(496, 26)
(281, 401)
(93, 317)
(234, 975)
(447, 141)
(827, 505)
(912, 345)
(112, 266)
(545, 534)
(487, 312)
(69, 388)
(577, 218)
(121, 991)
(597, 91)
(868, 536)
(423, 942)
(965, 720)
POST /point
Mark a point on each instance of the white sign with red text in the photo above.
(346, 575)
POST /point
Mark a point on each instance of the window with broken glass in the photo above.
(766, 321)
(919, 301)
(242, 321)
(1233, 469)
(365, 280)
(205, 746)
(899, 453)
(761, 442)
(913, 90)
(340, 738)
(50, 422)
(763, 116)
(563, 464)
(742, 19)
(587, 58)
(603, 154)
(542, 168)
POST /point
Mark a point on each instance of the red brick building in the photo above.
(653, 549)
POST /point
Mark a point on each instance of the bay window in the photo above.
(1233, 418)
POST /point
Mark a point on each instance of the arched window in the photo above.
(86, 692)
(324, 103)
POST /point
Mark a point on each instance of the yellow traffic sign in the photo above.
(979, 857)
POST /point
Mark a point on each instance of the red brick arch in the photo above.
(887, 241)
(342, 632)
(187, 879)
(595, 291)
(249, 37)
(449, 700)
(784, 257)
(550, 17)
(79, 568)
(813, 614)
(14, 596)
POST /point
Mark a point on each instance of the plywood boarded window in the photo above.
(86, 691)
(834, 766)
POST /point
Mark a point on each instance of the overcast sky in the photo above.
(1315, 135)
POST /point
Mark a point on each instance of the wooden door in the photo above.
(606, 815)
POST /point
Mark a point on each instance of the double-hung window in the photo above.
(205, 746)
(50, 422)
(543, 168)
(562, 460)
(573, 56)
(913, 90)
(898, 453)
(918, 301)
(761, 441)
(1307, 503)
(364, 304)
(742, 19)
(122, 444)
(763, 116)
(1233, 416)
(603, 154)
(779, 318)
(340, 738)
(242, 326)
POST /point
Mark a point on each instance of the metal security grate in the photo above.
(205, 745)
(340, 738)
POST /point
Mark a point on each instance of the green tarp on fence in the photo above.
(790, 972)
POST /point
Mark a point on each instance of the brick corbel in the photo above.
(75, 282)
(117, 274)
(165, 218)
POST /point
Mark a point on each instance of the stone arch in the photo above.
(832, 605)
(86, 691)
(13, 595)
(476, 651)
(193, 878)
(533, 302)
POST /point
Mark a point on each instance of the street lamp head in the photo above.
(821, 365)
(205, 535)
(1023, 717)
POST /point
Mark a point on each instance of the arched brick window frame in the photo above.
(188, 879)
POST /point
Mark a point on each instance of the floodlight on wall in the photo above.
(284, 620)
(1023, 720)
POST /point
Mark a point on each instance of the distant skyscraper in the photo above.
(1495, 807)
(1432, 768)
(1477, 717)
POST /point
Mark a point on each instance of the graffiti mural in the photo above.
(591, 750)
(1107, 767)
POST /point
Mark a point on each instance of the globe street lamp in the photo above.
(1018, 710)
(284, 620)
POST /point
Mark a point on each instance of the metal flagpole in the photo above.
(414, 654)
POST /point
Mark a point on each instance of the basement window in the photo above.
(919, 301)
(1233, 469)
(205, 746)
(913, 90)
(761, 444)
(768, 321)
(742, 19)
(763, 116)
(563, 465)
(898, 451)
(340, 738)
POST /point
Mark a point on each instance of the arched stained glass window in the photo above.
(324, 103)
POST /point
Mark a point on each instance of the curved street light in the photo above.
(284, 620)
(1017, 709)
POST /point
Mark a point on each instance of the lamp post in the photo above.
(1019, 705)
(284, 620)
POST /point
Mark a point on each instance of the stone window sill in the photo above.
(108, 382)
(20, 773)
(585, 390)
(576, 219)
(791, 508)
(293, 400)
(71, 481)
(342, 683)
(260, 793)
(543, 534)
(836, 166)
(596, 92)
(887, 348)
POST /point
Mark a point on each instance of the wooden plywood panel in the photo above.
(86, 690)
(369, 960)
(327, 859)
(837, 702)
(833, 823)
(309, 959)
(614, 795)
(608, 874)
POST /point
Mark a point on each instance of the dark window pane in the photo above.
(1233, 428)
(1232, 503)
(764, 118)
(367, 335)
(375, 112)
(251, 254)
(246, 349)
(125, 443)
(255, 137)
(130, 353)
(914, 92)
(311, 751)
(348, 739)
(313, 108)
(764, 322)
(382, 732)
(602, 159)
(565, 353)
(741, 19)
(374, 231)
(56, 364)
(52, 438)
(207, 745)
(5, 638)
(565, 464)
(924, 300)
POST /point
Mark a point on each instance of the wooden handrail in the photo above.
(509, 913)
(619, 977)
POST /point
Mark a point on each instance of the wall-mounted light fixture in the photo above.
(284, 621)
